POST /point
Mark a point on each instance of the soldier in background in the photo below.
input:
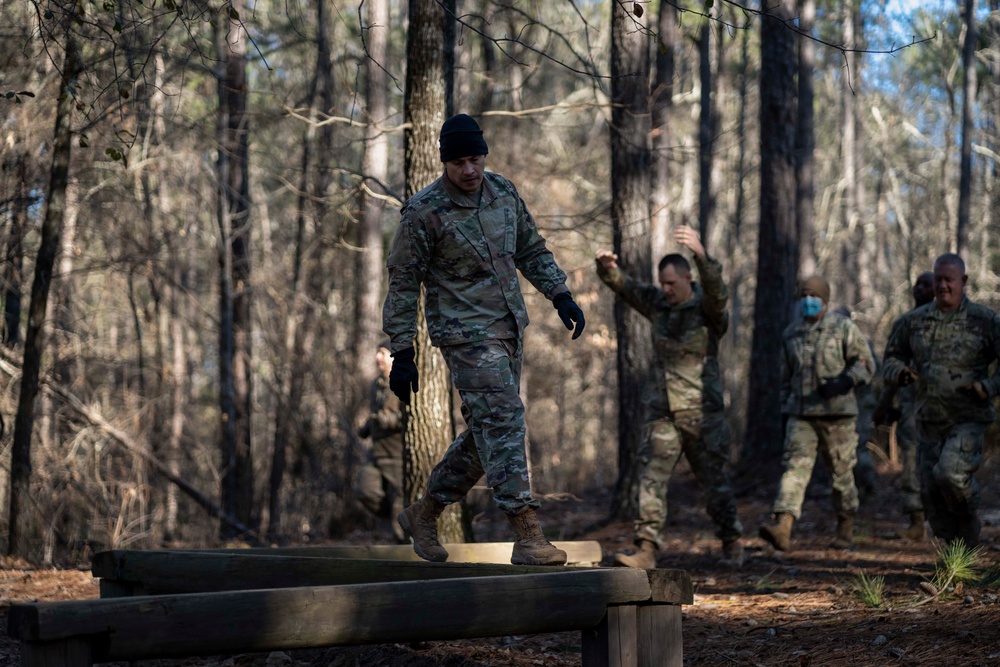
(946, 347)
(899, 405)
(865, 477)
(464, 238)
(684, 405)
(825, 358)
(382, 493)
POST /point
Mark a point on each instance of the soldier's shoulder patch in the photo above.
(399, 251)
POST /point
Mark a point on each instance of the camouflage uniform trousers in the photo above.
(864, 470)
(906, 438)
(704, 440)
(948, 456)
(835, 440)
(487, 375)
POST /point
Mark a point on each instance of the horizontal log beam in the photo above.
(170, 626)
(580, 552)
(172, 572)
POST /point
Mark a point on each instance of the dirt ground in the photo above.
(797, 609)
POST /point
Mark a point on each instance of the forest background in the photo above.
(196, 200)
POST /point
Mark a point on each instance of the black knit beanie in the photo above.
(461, 137)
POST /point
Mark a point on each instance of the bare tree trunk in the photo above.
(234, 221)
(429, 429)
(20, 537)
(968, 109)
(777, 253)
(864, 221)
(14, 252)
(805, 142)
(849, 177)
(630, 220)
(308, 279)
(707, 122)
(661, 137)
(375, 171)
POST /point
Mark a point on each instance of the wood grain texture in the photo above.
(264, 620)
(166, 572)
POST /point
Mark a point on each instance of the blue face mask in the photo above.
(811, 306)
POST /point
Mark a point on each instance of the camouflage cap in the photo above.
(818, 285)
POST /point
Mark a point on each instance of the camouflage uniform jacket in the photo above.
(685, 336)
(948, 351)
(815, 352)
(385, 424)
(466, 250)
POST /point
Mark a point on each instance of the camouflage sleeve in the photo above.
(785, 388)
(389, 416)
(640, 296)
(407, 263)
(992, 383)
(715, 293)
(532, 258)
(897, 353)
(858, 354)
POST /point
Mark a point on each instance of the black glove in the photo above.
(569, 313)
(975, 390)
(906, 376)
(887, 416)
(838, 386)
(403, 375)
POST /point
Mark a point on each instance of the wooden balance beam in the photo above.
(124, 573)
(582, 552)
(628, 618)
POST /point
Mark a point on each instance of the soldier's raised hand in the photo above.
(606, 260)
(687, 237)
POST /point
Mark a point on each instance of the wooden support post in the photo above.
(635, 636)
(71, 652)
(112, 588)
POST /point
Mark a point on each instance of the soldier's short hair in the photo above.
(680, 264)
(951, 259)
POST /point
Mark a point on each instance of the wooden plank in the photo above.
(166, 572)
(659, 638)
(583, 552)
(169, 626)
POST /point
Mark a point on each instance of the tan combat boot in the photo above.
(732, 555)
(916, 531)
(779, 534)
(419, 521)
(644, 557)
(845, 532)
(531, 547)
